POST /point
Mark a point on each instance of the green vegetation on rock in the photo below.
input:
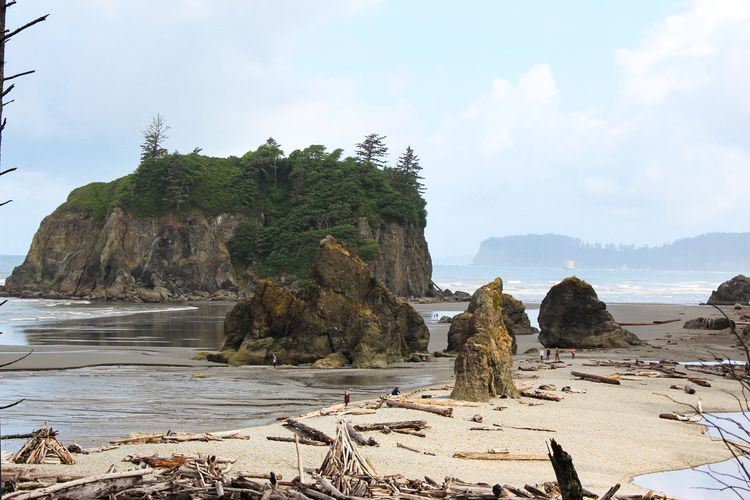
(290, 202)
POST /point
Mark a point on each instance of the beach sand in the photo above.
(612, 432)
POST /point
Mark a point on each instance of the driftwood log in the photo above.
(536, 394)
(474, 455)
(446, 412)
(309, 442)
(359, 438)
(596, 378)
(309, 432)
(88, 487)
(405, 424)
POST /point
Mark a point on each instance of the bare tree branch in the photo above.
(3, 172)
(19, 74)
(12, 404)
(16, 31)
(17, 360)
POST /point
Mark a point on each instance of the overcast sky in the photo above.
(623, 122)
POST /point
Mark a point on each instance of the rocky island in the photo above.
(343, 316)
(192, 227)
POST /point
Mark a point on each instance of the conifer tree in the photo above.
(407, 171)
(153, 139)
(372, 150)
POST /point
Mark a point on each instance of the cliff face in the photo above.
(177, 257)
(404, 263)
(151, 258)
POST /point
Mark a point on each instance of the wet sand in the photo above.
(612, 432)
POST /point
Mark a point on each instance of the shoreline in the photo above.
(613, 433)
(582, 424)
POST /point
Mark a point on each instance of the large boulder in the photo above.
(734, 291)
(571, 315)
(515, 319)
(344, 310)
(484, 363)
(708, 324)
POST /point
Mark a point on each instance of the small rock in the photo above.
(548, 387)
(445, 319)
(477, 418)
(217, 357)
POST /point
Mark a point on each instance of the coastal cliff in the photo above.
(188, 227)
(123, 257)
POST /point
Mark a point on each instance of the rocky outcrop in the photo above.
(344, 310)
(708, 324)
(484, 363)
(123, 257)
(176, 257)
(733, 291)
(515, 319)
(403, 264)
(571, 315)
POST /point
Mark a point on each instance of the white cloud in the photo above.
(668, 158)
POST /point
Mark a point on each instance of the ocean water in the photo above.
(37, 321)
(612, 285)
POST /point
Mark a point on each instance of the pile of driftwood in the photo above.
(344, 475)
(43, 448)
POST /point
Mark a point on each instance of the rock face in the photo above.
(484, 363)
(176, 257)
(734, 291)
(344, 310)
(571, 315)
(151, 258)
(404, 263)
(515, 319)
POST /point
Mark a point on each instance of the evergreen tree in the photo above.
(372, 150)
(178, 181)
(153, 139)
(407, 172)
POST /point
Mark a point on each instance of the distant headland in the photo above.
(706, 252)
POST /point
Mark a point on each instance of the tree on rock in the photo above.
(406, 173)
(153, 139)
(372, 150)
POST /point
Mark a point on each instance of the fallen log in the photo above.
(405, 424)
(359, 438)
(525, 428)
(405, 447)
(140, 439)
(536, 394)
(88, 487)
(596, 378)
(537, 492)
(611, 492)
(699, 381)
(309, 442)
(446, 412)
(442, 402)
(473, 455)
(651, 323)
(309, 432)
(259, 475)
(410, 432)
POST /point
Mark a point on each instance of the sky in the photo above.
(614, 122)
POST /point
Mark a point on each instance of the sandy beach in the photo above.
(612, 432)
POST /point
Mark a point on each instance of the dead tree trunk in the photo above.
(567, 477)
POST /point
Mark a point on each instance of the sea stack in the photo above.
(484, 363)
(344, 310)
(734, 291)
(571, 315)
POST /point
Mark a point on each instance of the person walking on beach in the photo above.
(557, 354)
(274, 361)
(573, 353)
(548, 354)
(395, 391)
(347, 397)
(541, 355)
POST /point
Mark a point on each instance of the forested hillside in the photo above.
(290, 202)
